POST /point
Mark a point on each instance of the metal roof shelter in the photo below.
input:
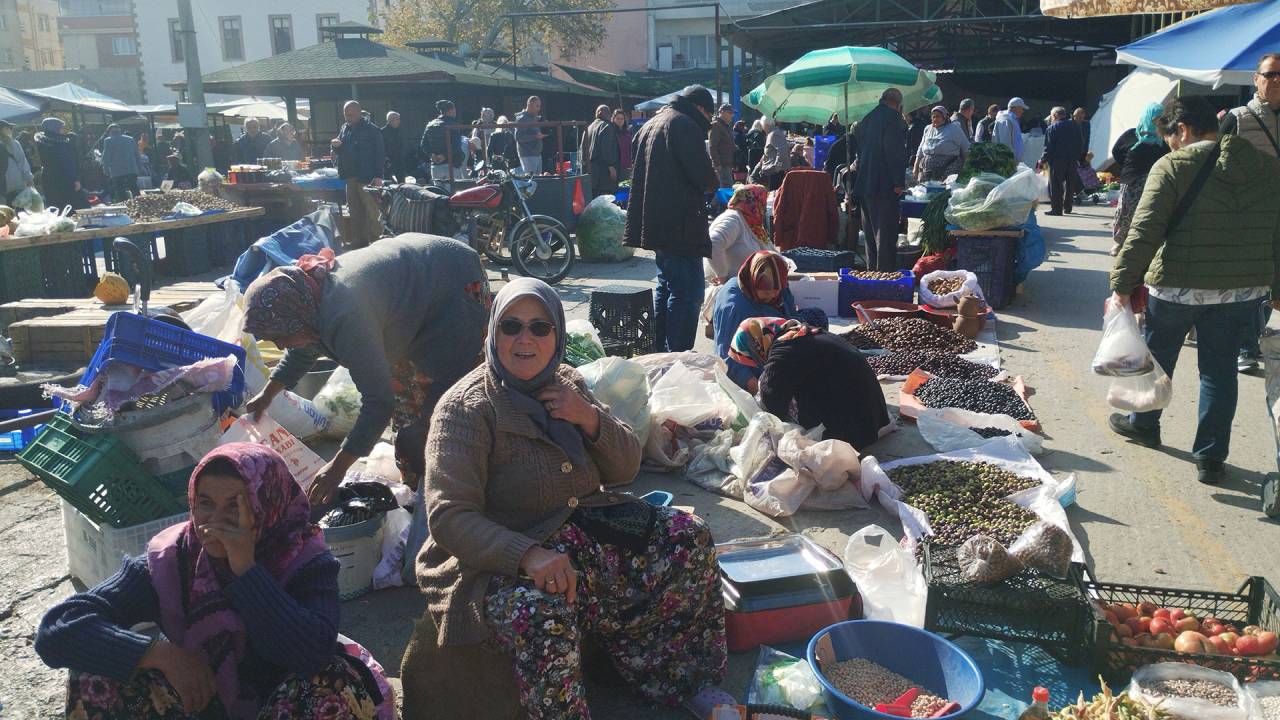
(935, 34)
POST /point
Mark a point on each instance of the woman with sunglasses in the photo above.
(531, 549)
(413, 300)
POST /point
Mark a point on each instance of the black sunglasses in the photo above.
(512, 327)
(1270, 74)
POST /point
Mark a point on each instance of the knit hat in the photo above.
(444, 106)
(699, 96)
(52, 125)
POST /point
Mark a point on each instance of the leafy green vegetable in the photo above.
(580, 349)
(988, 158)
(933, 224)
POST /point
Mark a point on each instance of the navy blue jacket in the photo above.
(249, 150)
(362, 155)
(1063, 141)
(882, 153)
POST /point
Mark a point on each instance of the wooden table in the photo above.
(138, 228)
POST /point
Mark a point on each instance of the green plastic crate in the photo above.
(98, 475)
(20, 275)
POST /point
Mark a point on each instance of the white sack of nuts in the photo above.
(1191, 692)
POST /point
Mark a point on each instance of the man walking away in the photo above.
(1063, 147)
(436, 138)
(1259, 123)
(1081, 119)
(1204, 240)
(722, 146)
(393, 145)
(964, 116)
(250, 146)
(529, 139)
(600, 153)
(667, 211)
(882, 168)
(985, 129)
(361, 157)
(1007, 129)
(120, 162)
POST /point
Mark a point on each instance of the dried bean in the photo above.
(900, 334)
(1270, 707)
(1214, 692)
(979, 396)
(876, 275)
(870, 684)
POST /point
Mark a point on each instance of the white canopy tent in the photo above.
(15, 107)
(83, 97)
(1121, 108)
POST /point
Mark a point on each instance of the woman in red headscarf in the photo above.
(246, 595)
(759, 290)
(738, 232)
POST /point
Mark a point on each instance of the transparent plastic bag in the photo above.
(600, 232)
(28, 199)
(782, 679)
(970, 287)
(582, 344)
(887, 576)
(1141, 393)
(339, 400)
(623, 386)
(1182, 708)
(1122, 352)
(948, 429)
(685, 397)
(984, 560)
(1044, 547)
(1008, 204)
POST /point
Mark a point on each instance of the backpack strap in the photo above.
(1197, 184)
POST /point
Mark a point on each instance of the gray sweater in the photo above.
(402, 298)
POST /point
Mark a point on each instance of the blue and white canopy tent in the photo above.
(1217, 48)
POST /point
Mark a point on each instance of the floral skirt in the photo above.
(658, 614)
(1129, 196)
(336, 693)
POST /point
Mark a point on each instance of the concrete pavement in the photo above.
(1141, 516)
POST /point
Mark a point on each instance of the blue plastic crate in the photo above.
(15, 440)
(854, 289)
(154, 345)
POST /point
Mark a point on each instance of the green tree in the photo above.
(479, 23)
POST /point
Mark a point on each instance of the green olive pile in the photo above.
(899, 334)
(979, 396)
(963, 499)
(877, 275)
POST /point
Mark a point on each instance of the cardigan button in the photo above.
(573, 502)
(613, 498)
(566, 468)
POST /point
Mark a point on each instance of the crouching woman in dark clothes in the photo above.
(828, 380)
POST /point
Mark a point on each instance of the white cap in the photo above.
(1018, 102)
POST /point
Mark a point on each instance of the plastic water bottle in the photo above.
(1039, 709)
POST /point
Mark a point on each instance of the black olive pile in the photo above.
(950, 366)
(902, 363)
(978, 396)
(877, 275)
(900, 334)
(991, 432)
(963, 499)
(860, 342)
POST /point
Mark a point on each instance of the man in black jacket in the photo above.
(250, 146)
(1063, 146)
(361, 161)
(393, 144)
(882, 169)
(436, 138)
(600, 154)
(667, 211)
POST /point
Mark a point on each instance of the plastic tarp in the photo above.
(1217, 48)
(73, 94)
(1121, 108)
(14, 106)
(307, 236)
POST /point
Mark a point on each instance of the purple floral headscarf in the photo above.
(195, 611)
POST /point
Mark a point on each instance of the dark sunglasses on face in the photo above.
(512, 327)
(1271, 74)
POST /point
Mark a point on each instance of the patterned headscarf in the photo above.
(750, 200)
(195, 611)
(1147, 131)
(759, 265)
(286, 300)
(751, 343)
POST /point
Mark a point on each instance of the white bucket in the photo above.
(171, 437)
(358, 549)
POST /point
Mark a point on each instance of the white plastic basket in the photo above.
(358, 549)
(94, 551)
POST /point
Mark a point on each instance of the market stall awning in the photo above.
(846, 80)
(657, 103)
(1217, 48)
(1096, 8)
(16, 107)
(73, 94)
(268, 110)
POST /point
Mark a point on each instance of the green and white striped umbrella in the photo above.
(845, 80)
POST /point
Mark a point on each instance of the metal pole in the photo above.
(515, 75)
(719, 82)
(197, 136)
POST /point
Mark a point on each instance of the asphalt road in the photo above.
(1141, 516)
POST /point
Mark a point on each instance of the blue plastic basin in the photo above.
(936, 665)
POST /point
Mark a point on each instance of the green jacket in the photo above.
(1230, 237)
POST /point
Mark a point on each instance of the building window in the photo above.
(46, 56)
(695, 51)
(281, 34)
(123, 45)
(324, 21)
(175, 41)
(4, 21)
(232, 38)
(94, 8)
(42, 23)
(6, 56)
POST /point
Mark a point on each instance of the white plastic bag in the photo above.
(28, 199)
(388, 573)
(44, 222)
(1042, 192)
(1122, 352)
(970, 287)
(185, 209)
(1008, 204)
(1141, 393)
(682, 395)
(623, 386)
(1191, 708)
(888, 578)
(948, 429)
(339, 400)
(303, 462)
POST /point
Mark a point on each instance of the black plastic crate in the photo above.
(623, 315)
(227, 241)
(68, 270)
(1030, 607)
(186, 252)
(812, 260)
(1255, 603)
(992, 260)
(21, 275)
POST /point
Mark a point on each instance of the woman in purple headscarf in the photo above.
(246, 595)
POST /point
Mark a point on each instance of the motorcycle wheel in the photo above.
(498, 250)
(542, 249)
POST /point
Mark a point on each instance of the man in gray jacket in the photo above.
(15, 171)
(529, 139)
(120, 163)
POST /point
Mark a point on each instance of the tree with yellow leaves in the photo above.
(480, 24)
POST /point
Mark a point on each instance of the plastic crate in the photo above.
(853, 289)
(811, 260)
(186, 252)
(20, 275)
(154, 345)
(992, 260)
(66, 272)
(1255, 603)
(623, 315)
(94, 550)
(98, 475)
(16, 440)
(1030, 607)
(227, 241)
(175, 483)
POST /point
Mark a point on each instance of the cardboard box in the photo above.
(820, 290)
